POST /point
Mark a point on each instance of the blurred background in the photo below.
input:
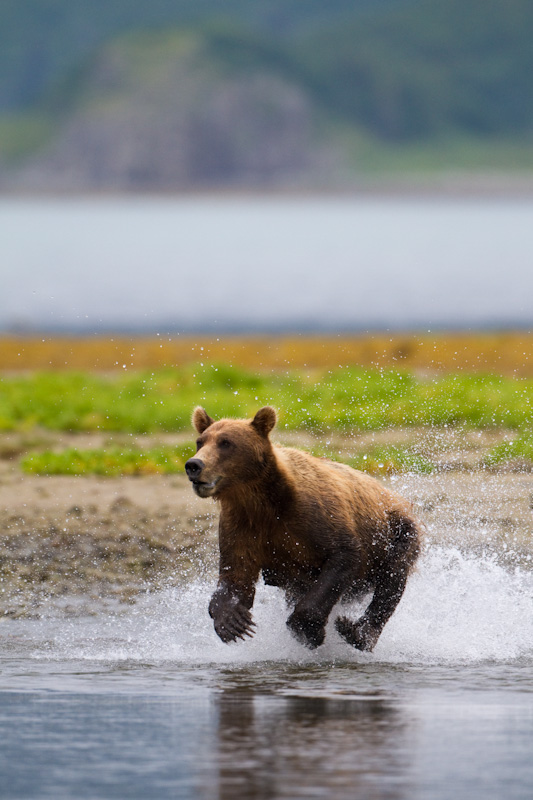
(265, 165)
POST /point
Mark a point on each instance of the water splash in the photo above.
(458, 608)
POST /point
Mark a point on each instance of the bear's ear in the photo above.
(264, 420)
(201, 419)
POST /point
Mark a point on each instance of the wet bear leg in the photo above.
(308, 620)
(390, 581)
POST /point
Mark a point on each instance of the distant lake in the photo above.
(255, 261)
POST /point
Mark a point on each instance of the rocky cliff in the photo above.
(164, 114)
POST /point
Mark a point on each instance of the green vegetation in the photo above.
(22, 133)
(518, 453)
(344, 399)
(379, 460)
(449, 151)
(41, 42)
(109, 462)
(425, 68)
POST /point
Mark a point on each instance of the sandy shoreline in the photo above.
(103, 539)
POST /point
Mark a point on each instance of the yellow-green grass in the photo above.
(108, 462)
(505, 352)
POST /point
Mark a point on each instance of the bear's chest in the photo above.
(290, 565)
(285, 553)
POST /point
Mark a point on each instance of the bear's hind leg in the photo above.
(390, 580)
(308, 620)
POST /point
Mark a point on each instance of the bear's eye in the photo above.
(199, 444)
(224, 444)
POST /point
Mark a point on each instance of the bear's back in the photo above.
(337, 485)
(341, 479)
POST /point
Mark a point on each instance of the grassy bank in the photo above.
(343, 399)
(121, 390)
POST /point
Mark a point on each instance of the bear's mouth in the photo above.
(205, 488)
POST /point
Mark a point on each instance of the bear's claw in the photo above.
(234, 623)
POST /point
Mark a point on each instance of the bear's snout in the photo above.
(193, 468)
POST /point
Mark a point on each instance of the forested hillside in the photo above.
(426, 67)
(173, 94)
(42, 39)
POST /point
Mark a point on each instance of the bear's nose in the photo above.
(193, 468)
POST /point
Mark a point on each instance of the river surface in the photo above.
(147, 703)
(291, 263)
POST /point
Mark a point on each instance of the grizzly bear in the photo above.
(321, 531)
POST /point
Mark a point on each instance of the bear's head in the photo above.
(230, 452)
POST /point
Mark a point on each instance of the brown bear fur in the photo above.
(321, 531)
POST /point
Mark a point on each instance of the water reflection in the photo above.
(273, 747)
(271, 730)
(253, 747)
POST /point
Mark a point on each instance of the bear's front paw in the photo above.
(233, 622)
(361, 635)
(308, 629)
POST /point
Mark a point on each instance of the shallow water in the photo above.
(148, 703)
